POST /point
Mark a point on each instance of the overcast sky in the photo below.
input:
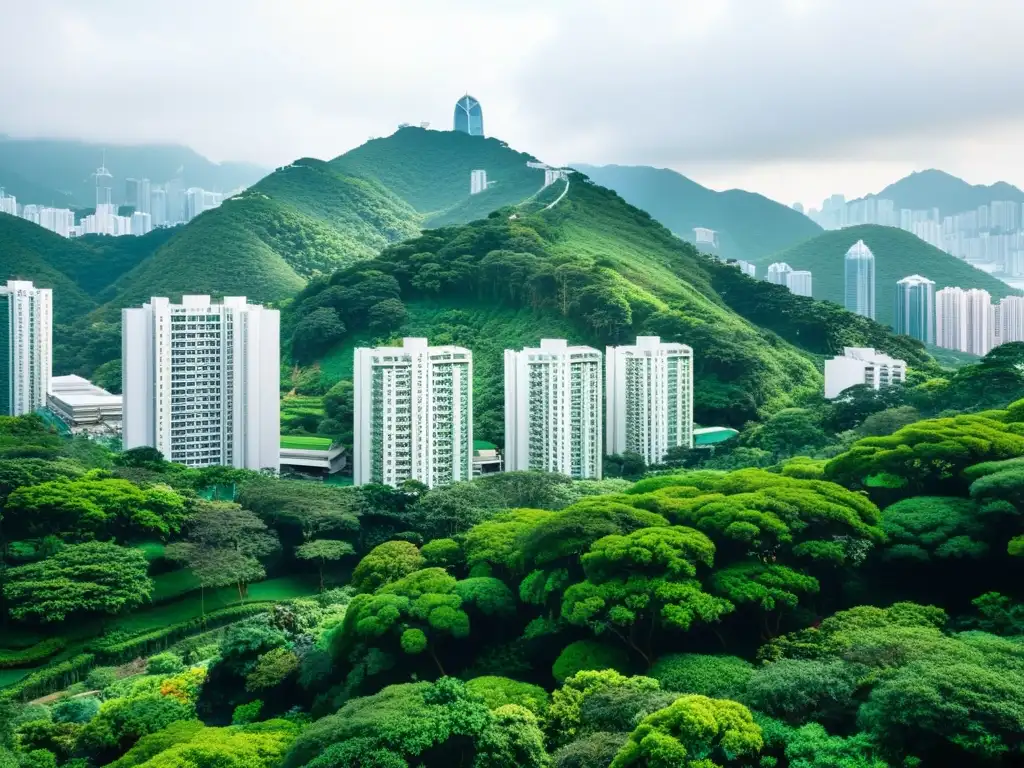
(791, 98)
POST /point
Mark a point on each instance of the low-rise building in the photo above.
(862, 365)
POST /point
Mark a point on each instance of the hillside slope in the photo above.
(430, 170)
(897, 255)
(64, 166)
(750, 226)
(593, 268)
(948, 193)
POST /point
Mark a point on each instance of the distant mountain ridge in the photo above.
(950, 194)
(57, 172)
(750, 226)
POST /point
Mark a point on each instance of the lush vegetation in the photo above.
(838, 587)
(897, 255)
(593, 269)
(749, 226)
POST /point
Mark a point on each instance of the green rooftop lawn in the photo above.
(305, 442)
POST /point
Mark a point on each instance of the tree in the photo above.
(122, 722)
(272, 669)
(386, 563)
(629, 465)
(421, 723)
(498, 691)
(315, 333)
(925, 527)
(386, 316)
(587, 655)
(90, 578)
(494, 543)
(565, 715)
(324, 551)
(786, 433)
(19, 473)
(223, 547)
(191, 743)
(693, 732)
(716, 676)
(96, 505)
(798, 691)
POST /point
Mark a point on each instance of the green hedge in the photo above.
(161, 639)
(51, 679)
(32, 656)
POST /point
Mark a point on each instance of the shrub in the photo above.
(78, 710)
(247, 713)
(30, 657)
(50, 679)
(165, 663)
(442, 553)
(798, 690)
(719, 677)
(100, 678)
(596, 749)
(588, 654)
(499, 691)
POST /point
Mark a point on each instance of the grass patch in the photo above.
(152, 550)
(168, 586)
(305, 442)
(11, 676)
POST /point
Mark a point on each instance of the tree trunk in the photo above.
(436, 660)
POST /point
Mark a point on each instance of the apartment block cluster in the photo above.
(991, 235)
(780, 273)
(153, 206)
(565, 408)
(954, 318)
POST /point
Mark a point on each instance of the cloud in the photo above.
(717, 86)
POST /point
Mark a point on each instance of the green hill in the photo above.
(897, 255)
(430, 171)
(45, 166)
(951, 195)
(594, 269)
(749, 226)
(29, 252)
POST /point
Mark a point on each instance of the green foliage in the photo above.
(386, 563)
(811, 746)
(402, 724)
(496, 692)
(80, 709)
(595, 750)
(925, 527)
(693, 731)
(584, 655)
(272, 669)
(247, 713)
(716, 676)
(165, 663)
(30, 657)
(565, 715)
(797, 691)
(442, 553)
(80, 579)
(495, 542)
(122, 722)
(261, 745)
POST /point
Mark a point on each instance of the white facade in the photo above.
(26, 343)
(777, 272)
(8, 204)
(702, 236)
(859, 274)
(746, 268)
(915, 308)
(862, 365)
(201, 381)
(413, 414)
(141, 223)
(649, 398)
(799, 282)
(553, 409)
(78, 402)
(951, 319)
(1011, 319)
(978, 314)
(477, 182)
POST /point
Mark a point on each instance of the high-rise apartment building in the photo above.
(158, 207)
(1011, 319)
(413, 414)
(477, 181)
(859, 268)
(8, 204)
(915, 308)
(469, 116)
(862, 365)
(978, 312)
(26, 346)
(201, 381)
(777, 272)
(799, 282)
(553, 409)
(649, 398)
(951, 319)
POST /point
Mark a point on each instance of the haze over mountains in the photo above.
(938, 189)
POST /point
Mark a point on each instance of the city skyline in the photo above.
(593, 111)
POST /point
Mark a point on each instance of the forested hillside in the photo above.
(749, 225)
(593, 268)
(951, 195)
(897, 255)
(837, 587)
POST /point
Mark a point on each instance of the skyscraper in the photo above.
(469, 116)
(201, 381)
(1011, 319)
(477, 181)
(26, 346)
(915, 308)
(799, 282)
(553, 409)
(413, 414)
(951, 319)
(777, 272)
(978, 313)
(859, 267)
(649, 398)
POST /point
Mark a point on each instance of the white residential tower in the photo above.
(26, 341)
